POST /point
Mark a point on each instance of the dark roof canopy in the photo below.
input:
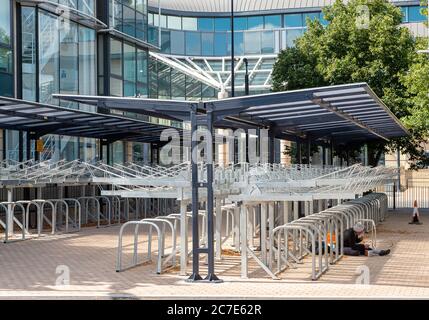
(40, 119)
(344, 112)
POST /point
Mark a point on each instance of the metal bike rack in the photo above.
(9, 208)
(135, 262)
(77, 210)
(161, 233)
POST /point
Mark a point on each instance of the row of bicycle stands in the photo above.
(49, 213)
(277, 235)
(290, 211)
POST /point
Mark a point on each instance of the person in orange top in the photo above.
(416, 215)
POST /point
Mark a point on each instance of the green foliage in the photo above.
(383, 54)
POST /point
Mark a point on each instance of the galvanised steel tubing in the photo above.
(335, 215)
(173, 233)
(308, 229)
(66, 206)
(27, 213)
(85, 201)
(77, 211)
(337, 224)
(54, 214)
(109, 208)
(321, 222)
(5, 205)
(119, 250)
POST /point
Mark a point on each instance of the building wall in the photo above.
(66, 54)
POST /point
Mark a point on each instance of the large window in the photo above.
(5, 22)
(49, 57)
(130, 17)
(178, 42)
(207, 44)
(255, 23)
(6, 56)
(128, 69)
(66, 62)
(205, 24)
(87, 61)
(222, 24)
(29, 58)
(257, 34)
(193, 43)
(415, 14)
(69, 58)
(293, 20)
(273, 22)
(221, 42)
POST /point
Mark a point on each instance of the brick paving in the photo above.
(28, 270)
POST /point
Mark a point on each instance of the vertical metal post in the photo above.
(398, 160)
(298, 152)
(210, 199)
(219, 228)
(394, 196)
(264, 232)
(183, 238)
(232, 51)
(243, 241)
(271, 147)
(9, 219)
(246, 77)
(194, 167)
(308, 151)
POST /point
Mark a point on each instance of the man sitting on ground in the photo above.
(353, 246)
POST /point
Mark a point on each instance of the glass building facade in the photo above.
(6, 52)
(110, 47)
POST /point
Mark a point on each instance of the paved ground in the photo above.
(28, 269)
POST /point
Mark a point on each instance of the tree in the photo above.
(378, 51)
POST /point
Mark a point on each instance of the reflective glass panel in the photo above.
(273, 22)
(240, 23)
(311, 16)
(48, 57)
(5, 15)
(177, 39)
(174, 22)
(207, 41)
(189, 23)
(415, 14)
(29, 58)
(238, 43)
(129, 63)
(5, 60)
(255, 23)
(205, 24)
(222, 24)
(267, 42)
(293, 20)
(221, 44)
(292, 35)
(193, 43)
(165, 41)
(69, 57)
(404, 11)
(116, 57)
(252, 42)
